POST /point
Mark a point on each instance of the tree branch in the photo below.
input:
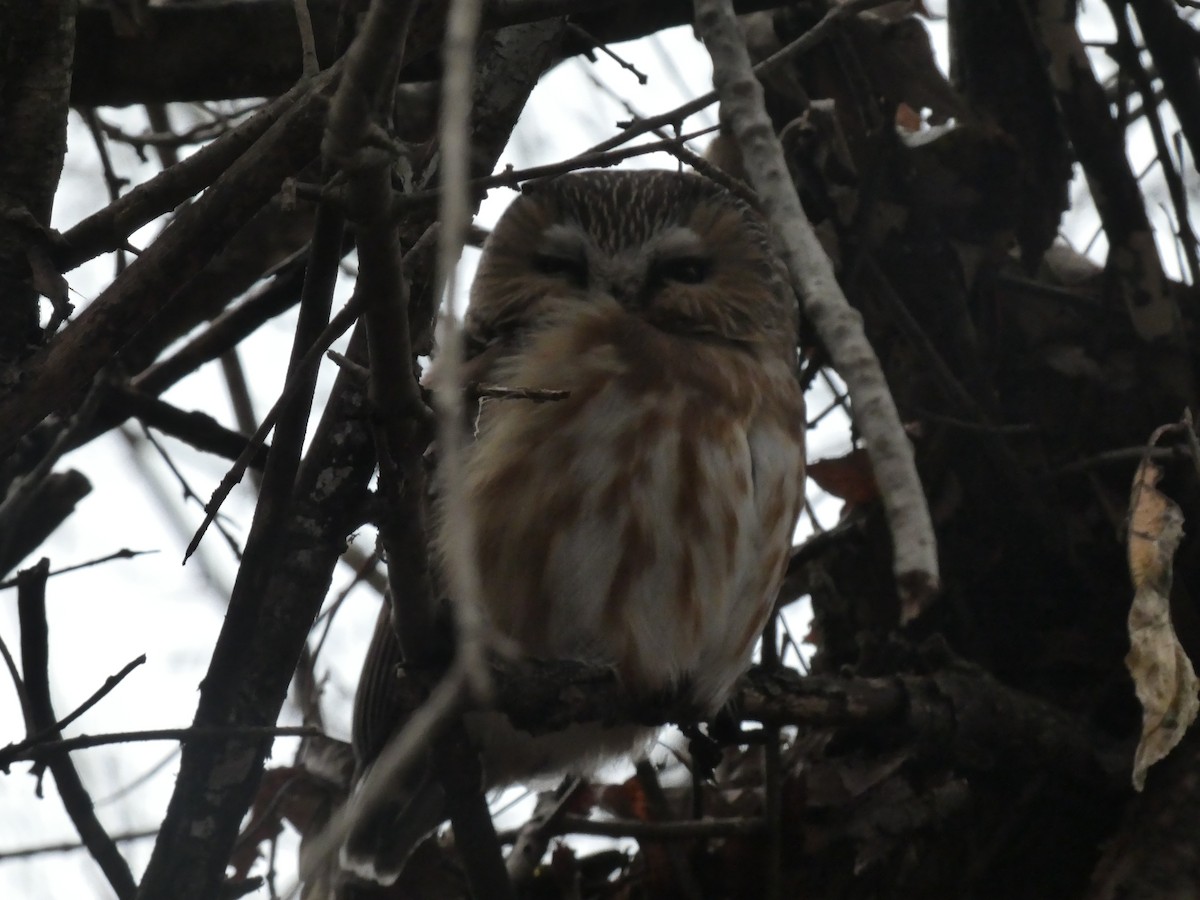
(55, 377)
(838, 324)
(35, 656)
(225, 49)
(110, 227)
(37, 42)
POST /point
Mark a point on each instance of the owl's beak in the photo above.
(628, 290)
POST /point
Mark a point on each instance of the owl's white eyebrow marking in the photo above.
(562, 240)
(678, 241)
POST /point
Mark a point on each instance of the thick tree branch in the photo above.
(959, 713)
(224, 49)
(37, 41)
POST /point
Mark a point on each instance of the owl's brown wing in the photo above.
(380, 843)
(376, 710)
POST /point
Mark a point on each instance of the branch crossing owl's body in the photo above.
(644, 521)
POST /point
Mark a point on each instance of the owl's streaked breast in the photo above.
(644, 521)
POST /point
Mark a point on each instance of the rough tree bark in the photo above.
(37, 41)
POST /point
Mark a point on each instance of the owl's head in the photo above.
(675, 249)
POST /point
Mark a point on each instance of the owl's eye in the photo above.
(572, 268)
(683, 269)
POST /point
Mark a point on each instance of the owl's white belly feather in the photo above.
(643, 522)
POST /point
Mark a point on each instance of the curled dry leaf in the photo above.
(848, 477)
(1162, 673)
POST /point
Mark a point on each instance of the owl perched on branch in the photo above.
(643, 521)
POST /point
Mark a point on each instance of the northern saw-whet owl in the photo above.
(644, 521)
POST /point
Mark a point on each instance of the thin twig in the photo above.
(18, 685)
(230, 328)
(162, 491)
(1121, 455)
(1130, 61)
(308, 43)
(188, 494)
(119, 554)
(239, 391)
(735, 186)
(126, 789)
(338, 325)
(110, 227)
(588, 37)
(45, 749)
(1193, 440)
(112, 182)
(103, 691)
(513, 178)
(357, 371)
(807, 41)
(475, 390)
(68, 846)
(361, 573)
(165, 139)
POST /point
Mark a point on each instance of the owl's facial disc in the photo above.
(678, 256)
(563, 253)
(632, 275)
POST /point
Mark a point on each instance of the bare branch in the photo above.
(47, 749)
(462, 570)
(35, 657)
(837, 323)
(308, 43)
(104, 690)
(68, 846)
(110, 228)
(55, 377)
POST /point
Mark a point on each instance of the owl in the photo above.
(643, 521)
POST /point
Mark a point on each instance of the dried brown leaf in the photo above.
(1163, 675)
(848, 477)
